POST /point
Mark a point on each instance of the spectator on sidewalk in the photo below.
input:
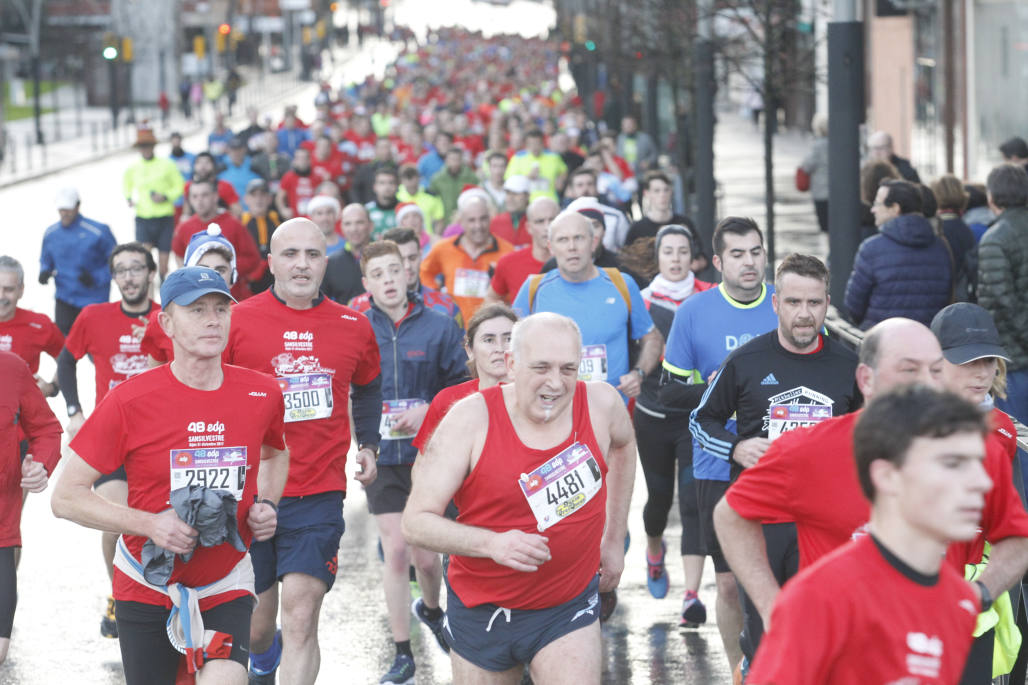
(1003, 278)
(951, 199)
(905, 269)
(880, 148)
(75, 252)
(1015, 151)
(872, 174)
(815, 164)
(213, 89)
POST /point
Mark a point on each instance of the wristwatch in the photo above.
(638, 370)
(73, 409)
(369, 446)
(986, 595)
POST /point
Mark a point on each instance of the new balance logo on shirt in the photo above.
(769, 380)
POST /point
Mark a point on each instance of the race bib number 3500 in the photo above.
(562, 486)
(307, 396)
(217, 468)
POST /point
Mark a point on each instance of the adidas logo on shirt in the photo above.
(769, 380)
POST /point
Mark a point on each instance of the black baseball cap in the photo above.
(966, 332)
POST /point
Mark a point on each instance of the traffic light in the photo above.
(199, 47)
(110, 49)
(590, 45)
(126, 49)
(224, 29)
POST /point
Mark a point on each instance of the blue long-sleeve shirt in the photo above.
(84, 246)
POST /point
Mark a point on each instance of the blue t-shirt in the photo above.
(239, 177)
(706, 328)
(599, 309)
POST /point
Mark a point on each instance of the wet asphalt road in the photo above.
(62, 586)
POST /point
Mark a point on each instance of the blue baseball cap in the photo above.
(186, 285)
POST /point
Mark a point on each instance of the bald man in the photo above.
(342, 280)
(514, 268)
(464, 263)
(320, 352)
(808, 476)
(879, 147)
(543, 513)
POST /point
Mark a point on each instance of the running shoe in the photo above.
(108, 624)
(608, 602)
(693, 611)
(401, 672)
(263, 665)
(656, 575)
(436, 626)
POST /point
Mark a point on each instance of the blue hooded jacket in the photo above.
(905, 270)
(420, 356)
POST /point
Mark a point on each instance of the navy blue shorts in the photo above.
(305, 541)
(156, 231)
(499, 639)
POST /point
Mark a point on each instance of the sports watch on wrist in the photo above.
(369, 446)
(638, 370)
(986, 595)
(73, 409)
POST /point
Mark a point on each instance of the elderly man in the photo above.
(464, 263)
(512, 223)
(530, 538)
(879, 146)
(342, 280)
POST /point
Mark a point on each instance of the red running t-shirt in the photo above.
(29, 333)
(105, 332)
(157, 427)
(512, 271)
(315, 354)
(299, 190)
(808, 476)
(858, 617)
(441, 403)
(155, 342)
(497, 495)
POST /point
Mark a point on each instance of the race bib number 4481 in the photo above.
(562, 486)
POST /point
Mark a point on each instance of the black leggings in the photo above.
(8, 590)
(146, 653)
(662, 443)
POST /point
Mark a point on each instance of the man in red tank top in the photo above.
(543, 487)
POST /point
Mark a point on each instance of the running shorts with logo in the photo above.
(306, 541)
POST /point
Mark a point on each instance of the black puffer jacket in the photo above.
(1003, 281)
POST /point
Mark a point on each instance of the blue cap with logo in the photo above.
(186, 285)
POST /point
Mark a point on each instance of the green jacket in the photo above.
(155, 175)
(449, 187)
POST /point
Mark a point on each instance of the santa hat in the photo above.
(319, 201)
(470, 193)
(405, 208)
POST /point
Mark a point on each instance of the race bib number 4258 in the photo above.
(217, 468)
(307, 396)
(562, 486)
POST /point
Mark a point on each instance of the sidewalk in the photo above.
(25, 161)
(739, 169)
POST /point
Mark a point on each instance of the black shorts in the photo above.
(156, 231)
(8, 590)
(708, 494)
(305, 541)
(116, 474)
(499, 639)
(390, 489)
(148, 656)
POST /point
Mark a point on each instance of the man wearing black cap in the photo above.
(261, 219)
(221, 425)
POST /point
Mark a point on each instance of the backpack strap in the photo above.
(618, 279)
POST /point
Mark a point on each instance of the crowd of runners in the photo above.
(461, 279)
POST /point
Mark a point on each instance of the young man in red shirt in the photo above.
(23, 332)
(320, 354)
(194, 427)
(111, 334)
(885, 608)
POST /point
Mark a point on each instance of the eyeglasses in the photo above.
(134, 270)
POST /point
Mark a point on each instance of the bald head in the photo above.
(879, 145)
(542, 206)
(297, 262)
(356, 224)
(568, 219)
(544, 326)
(898, 352)
(299, 228)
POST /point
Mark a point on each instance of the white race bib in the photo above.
(786, 417)
(470, 283)
(562, 486)
(218, 468)
(307, 396)
(593, 366)
(391, 411)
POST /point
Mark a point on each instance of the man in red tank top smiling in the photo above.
(543, 486)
